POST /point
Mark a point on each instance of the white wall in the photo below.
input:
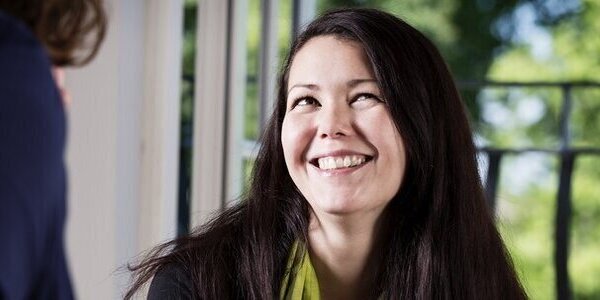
(121, 154)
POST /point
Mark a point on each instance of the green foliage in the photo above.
(519, 117)
(584, 263)
(187, 86)
(574, 53)
(586, 118)
(284, 25)
(251, 115)
(573, 56)
(525, 220)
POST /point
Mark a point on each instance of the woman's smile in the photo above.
(339, 159)
(339, 165)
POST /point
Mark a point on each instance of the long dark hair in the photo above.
(440, 240)
(70, 30)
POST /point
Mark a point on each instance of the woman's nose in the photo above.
(334, 122)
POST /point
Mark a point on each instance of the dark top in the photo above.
(32, 172)
(171, 283)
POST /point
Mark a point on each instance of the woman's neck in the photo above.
(341, 250)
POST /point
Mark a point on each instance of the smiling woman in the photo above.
(365, 186)
(345, 155)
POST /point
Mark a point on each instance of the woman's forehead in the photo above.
(326, 59)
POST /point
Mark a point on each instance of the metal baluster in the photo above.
(563, 207)
(565, 118)
(563, 222)
(492, 177)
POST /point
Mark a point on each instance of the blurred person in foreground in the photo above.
(365, 185)
(37, 39)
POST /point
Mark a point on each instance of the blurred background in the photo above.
(182, 89)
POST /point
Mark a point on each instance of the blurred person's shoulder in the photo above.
(26, 82)
(31, 112)
(13, 32)
(18, 44)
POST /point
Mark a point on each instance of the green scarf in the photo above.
(300, 280)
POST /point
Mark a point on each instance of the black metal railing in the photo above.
(567, 156)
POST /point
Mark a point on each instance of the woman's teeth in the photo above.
(330, 163)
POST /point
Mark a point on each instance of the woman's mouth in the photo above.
(340, 162)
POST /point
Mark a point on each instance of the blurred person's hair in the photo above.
(70, 30)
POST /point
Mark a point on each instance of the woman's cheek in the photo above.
(296, 136)
(289, 140)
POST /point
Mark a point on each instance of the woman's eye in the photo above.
(365, 99)
(305, 101)
(366, 96)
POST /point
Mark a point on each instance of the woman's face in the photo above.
(340, 143)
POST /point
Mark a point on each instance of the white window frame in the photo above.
(219, 145)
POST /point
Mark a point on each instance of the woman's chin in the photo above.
(338, 206)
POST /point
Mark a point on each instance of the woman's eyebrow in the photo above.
(355, 82)
(350, 83)
(310, 86)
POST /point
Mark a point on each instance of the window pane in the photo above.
(251, 119)
(187, 115)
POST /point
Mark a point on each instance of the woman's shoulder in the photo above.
(192, 265)
(195, 260)
(172, 281)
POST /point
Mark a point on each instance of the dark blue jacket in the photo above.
(32, 171)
